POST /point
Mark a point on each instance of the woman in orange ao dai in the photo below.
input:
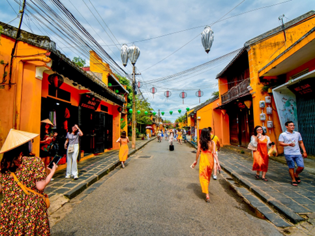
(123, 151)
(207, 149)
(260, 156)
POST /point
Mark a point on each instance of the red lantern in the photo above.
(199, 94)
(153, 90)
(139, 84)
(183, 95)
(167, 94)
(55, 80)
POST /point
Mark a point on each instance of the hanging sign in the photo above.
(305, 87)
(89, 101)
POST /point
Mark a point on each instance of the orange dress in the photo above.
(261, 158)
(123, 151)
(205, 170)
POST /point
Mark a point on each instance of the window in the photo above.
(59, 93)
(104, 108)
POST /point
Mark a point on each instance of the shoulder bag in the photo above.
(26, 190)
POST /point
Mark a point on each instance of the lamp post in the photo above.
(132, 53)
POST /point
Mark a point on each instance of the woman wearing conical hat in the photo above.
(23, 212)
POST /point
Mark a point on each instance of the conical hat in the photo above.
(47, 121)
(16, 138)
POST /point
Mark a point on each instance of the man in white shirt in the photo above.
(291, 142)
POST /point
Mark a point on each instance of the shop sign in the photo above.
(305, 87)
(89, 101)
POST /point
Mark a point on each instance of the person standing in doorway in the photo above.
(261, 159)
(207, 148)
(291, 142)
(216, 140)
(73, 152)
(124, 150)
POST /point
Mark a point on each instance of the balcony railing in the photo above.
(236, 91)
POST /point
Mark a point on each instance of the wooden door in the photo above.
(234, 128)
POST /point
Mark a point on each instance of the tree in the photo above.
(215, 94)
(79, 61)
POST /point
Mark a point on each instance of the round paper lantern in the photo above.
(139, 84)
(183, 95)
(162, 113)
(179, 111)
(55, 80)
(130, 110)
(117, 91)
(199, 94)
(145, 112)
(167, 94)
(187, 109)
(154, 113)
(171, 112)
(109, 85)
(122, 119)
(153, 90)
(138, 111)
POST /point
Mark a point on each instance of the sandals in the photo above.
(298, 180)
(264, 179)
(208, 200)
(293, 183)
(257, 176)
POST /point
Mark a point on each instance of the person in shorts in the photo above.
(291, 142)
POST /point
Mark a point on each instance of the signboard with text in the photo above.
(305, 87)
(89, 101)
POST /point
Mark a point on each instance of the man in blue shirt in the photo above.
(291, 142)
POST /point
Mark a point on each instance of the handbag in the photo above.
(26, 190)
(71, 149)
(251, 147)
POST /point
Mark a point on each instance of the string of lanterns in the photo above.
(154, 113)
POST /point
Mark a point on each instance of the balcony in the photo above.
(236, 91)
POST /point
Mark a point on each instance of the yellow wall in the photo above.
(20, 105)
(261, 53)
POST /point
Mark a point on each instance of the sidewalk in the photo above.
(292, 202)
(90, 171)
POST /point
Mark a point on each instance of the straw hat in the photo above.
(47, 121)
(16, 138)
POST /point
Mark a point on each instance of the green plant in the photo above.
(79, 61)
(123, 125)
(264, 89)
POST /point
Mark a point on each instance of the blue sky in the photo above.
(131, 21)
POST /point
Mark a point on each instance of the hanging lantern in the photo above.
(183, 95)
(167, 94)
(171, 112)
(207, 38)
(199, 94)
(153, 90)
(138, 111)
(130, 110)
(116, 91)
(122, 119)
(145, 112)
(133, 54)
(124, 54)
(55, 80)
(187, 109)
(109, 85)
(154, 113)
(162, 113)
(139, 84)
(179, 111)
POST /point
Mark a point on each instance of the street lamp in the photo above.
(132, 53)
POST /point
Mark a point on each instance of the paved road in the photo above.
(161, 195)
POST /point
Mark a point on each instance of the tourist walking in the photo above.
(207, 151)
(22, 182)
(123, 151)
(260, 143)
(73, 152)
(216, 140)
(180, 136)
(292, 141)
(159, 138)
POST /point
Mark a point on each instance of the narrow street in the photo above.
(159, 195)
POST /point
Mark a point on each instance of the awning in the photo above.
(116, 84)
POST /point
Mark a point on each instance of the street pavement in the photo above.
(158, 194)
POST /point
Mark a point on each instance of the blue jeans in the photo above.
(298, 159)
